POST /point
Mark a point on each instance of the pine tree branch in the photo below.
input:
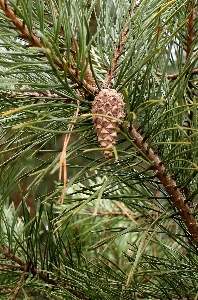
(36, 42)
(35, 271)
(169, 184)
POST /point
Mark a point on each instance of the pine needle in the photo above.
(63, 162)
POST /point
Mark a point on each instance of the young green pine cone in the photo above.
(108, 102)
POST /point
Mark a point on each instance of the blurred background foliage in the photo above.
(117, 234)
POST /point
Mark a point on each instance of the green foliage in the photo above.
(117, 235)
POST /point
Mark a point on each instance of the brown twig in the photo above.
(189, 44)
(33, 94)
(103, 213)
(35, 271)
(188, 39)
(169, 184)
(118, 51)
(174, 76)
(19, 25)
(116, 56)
(16, 291)
(191, 32)
(9, 255)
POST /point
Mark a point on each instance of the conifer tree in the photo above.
(99, 150)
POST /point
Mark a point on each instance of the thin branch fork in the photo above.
(34, 271)
(169, 184)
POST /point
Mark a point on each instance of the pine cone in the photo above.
(108, 102)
